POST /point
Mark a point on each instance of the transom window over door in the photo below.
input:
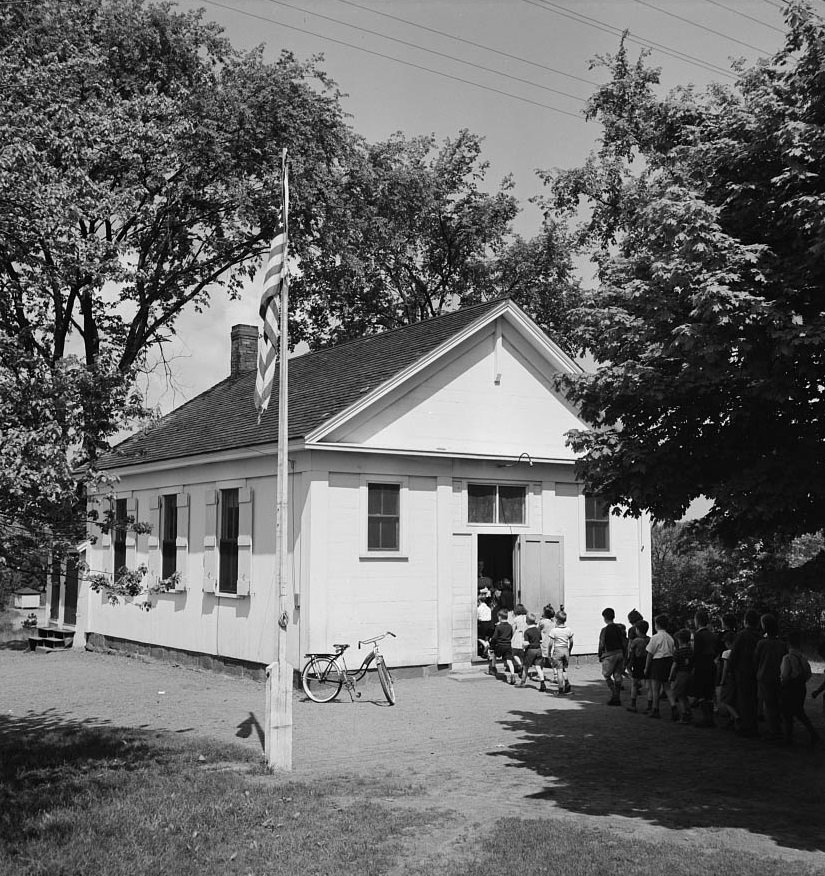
(596, 524)
(228, 541)
(496, 503)
(383, 517)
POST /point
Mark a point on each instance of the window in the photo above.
(492, 503)
(596, 524)
(169, 535)
(383, 517)
(228, 541)
(119, 535)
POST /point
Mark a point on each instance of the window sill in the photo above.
(384, 555)
(597, 555)
(219, 595)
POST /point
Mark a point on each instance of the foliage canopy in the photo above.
(707, 223)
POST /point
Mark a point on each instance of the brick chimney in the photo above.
(244, 355)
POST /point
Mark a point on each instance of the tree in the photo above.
(692, 569)
(139, 174)
(707, 224)
(410, 233)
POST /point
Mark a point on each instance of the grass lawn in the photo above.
(85, 801)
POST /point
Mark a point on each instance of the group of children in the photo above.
(525, 643)
(735, 675)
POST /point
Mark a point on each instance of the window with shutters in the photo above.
(119, 535)
(169, 535)
(228, 527)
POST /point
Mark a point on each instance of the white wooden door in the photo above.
(540, 564)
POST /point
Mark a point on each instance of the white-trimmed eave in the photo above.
(269, 450)
(506, 459)
(520, 320)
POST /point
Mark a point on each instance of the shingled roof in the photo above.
(321, 385)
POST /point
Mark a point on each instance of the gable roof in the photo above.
(322, 384)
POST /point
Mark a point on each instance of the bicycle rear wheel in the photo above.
(386, 680)
(321, 679)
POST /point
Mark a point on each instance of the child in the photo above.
(636, 659)
(612, 647)
(501, 647)
(561, 647)
(727, 685)
(704, 666)
(768, 656)
(681, 674)
(659, 662)
(547, 622)
(484, 623)
(794, 674)
(518, 620)
(532, 652)
(821, 651)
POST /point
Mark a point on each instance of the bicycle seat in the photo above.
(339, 649)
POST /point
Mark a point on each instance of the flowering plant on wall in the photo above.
(164, 585)
(125, 584)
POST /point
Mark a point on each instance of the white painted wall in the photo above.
(491, 396)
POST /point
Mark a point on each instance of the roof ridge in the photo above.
(408, 326)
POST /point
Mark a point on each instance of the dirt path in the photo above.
(448, 740)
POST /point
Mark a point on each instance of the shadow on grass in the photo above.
(48, 761)
(608, 761)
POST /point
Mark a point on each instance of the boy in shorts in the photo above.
(501, 647)
(561, 647)
(636, 660)
(612, 645)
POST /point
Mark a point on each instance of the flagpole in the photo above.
(280, 673)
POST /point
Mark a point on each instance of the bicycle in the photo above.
(324, 675)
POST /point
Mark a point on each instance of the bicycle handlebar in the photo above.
(375, 639)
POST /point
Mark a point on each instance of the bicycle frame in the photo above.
(330, 670)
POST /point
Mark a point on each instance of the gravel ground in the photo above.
(452, 739)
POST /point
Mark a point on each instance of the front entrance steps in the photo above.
(51, 639)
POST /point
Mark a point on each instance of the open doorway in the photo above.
(495, 558)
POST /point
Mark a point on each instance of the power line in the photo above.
(470, 43)
(489, 88)
(702, 27)
(421, 48)
(744, 15)
(547, 6)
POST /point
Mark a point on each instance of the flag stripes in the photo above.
(270, 312)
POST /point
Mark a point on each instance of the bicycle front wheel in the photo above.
(321, 679)
(386, 680)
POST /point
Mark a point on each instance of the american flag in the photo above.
(276, 278)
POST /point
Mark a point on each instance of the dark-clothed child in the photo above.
(681, 675)
(636, 660)
(532, 652)
(705, 653)
(727, 685)
(612, 647)
(770, 650)
(501, 647)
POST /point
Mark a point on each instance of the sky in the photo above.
(516, 72)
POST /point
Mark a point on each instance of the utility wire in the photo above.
(489, 88)
(470, 42)
(421, 48)
(551, 8)
(744, 15)
(702, 27)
